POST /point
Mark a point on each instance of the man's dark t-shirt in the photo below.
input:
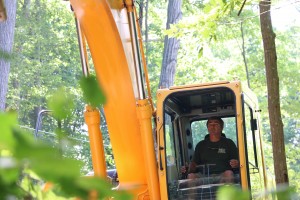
(217, 154)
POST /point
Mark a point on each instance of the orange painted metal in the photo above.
(92, 119)
(144, 115)
(111, 66)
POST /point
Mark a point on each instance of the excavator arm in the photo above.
(112, 34)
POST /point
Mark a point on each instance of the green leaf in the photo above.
(44, 160)
(103, 188)
(7, 123)
(10, 175)
(229, 192)
(95, 183)
(33, 185)
(55, 169)
(11, 191)
(92, 92)
(61, 104)
(200, 52)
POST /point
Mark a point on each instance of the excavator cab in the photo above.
(182, 116)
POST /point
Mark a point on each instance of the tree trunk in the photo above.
(171, 46)
(244, 55)
(26, 7)
(6, 45)
(141, 14)
(146, 31)
(268, 36)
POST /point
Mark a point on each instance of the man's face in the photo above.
(214, 127)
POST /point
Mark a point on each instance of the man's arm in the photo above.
(192, 167)
(234, 163)
(189, 169)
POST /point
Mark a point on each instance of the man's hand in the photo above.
(234, 163)
(191, 168)
(183, 169)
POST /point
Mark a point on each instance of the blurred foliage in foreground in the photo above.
(31, 169)
(283, 192)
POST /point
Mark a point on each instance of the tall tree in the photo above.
(6, 44)
(45, 56)
(171, 46)
(141, 14)
(281, 174)
(244, 55)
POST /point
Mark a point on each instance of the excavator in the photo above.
(150, 142)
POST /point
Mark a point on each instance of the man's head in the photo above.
(215, 125)
(215, 119)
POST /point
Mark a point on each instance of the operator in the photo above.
(217, 155)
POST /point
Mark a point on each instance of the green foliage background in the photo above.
(211, 50)
(32, 169)
(46, 57)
